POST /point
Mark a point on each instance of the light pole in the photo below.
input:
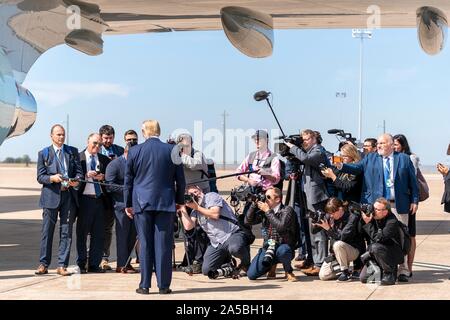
(361, 34)
(341, 95)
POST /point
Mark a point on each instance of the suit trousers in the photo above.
(155, 233)
(125, 236)
(90, 221)
(319, 240)
(66, 210)
(108, 215)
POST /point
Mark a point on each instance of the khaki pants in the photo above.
(345, 254)
(402, 268)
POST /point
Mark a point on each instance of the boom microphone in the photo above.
(261, 95)
(335, 131)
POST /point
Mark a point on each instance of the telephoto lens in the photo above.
(225, 271)
(270, 253)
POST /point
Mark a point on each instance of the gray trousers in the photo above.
(319, 240)
(235, 246)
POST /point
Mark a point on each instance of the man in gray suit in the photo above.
(311, 156)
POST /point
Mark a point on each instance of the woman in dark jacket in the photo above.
(348, 187)
(446, 196)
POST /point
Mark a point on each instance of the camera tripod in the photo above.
(296, 199)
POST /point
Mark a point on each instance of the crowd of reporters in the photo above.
(336, 236)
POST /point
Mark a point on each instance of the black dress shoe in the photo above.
(96, 270)
(388, 279)
(142, 291)
(403, 278)
(165, 291)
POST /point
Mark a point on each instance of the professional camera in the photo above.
(189, 198)
(373, 273)
(334, 264)
(284, 150)
(317, 216)
(270, 253)
(247, 193)
(226, 270)
(357, 208)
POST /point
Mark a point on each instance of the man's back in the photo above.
(150, 177)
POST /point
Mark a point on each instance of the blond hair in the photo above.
(151, 128)
(351, 151)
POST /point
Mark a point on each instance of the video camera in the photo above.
(248, 194)
(283, 149)
(318, 215)
(358, 209)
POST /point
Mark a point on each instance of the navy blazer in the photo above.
(103, 160)
(405, 181)
(115, 174)
(47, 166)
(152, 181)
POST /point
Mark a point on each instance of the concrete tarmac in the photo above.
(21, 222)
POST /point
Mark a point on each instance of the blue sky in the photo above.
(178, 78)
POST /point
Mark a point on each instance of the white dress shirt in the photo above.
(90, 189)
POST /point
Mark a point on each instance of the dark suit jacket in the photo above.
(405, 181)
(103, 160)
(47, 166)
(152, 181)
(115, 174)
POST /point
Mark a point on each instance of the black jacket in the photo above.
(282, 222)
(347, 186)
(446, 195)
(385, 231)
(346, 229)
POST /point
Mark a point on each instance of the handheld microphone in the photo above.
(261, 95)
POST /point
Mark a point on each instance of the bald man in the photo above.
(390, 175)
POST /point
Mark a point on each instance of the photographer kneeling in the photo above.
(347, 242)
(217, 219)
(385, 241)
(278, 223)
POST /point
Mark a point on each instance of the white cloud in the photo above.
(56, 94)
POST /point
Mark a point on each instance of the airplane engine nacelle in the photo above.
(250, 31)
(431, 29)
(17, 104)
(25, 112)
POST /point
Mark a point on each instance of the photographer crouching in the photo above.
(279, 233)
(385, 246)
(217, 219)
(347, 242)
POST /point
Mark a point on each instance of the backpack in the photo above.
(405, 238)
(268, 164)
(424, 190)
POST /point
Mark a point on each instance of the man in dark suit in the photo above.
(112, 151)
(56, 164)
(125, 229)
(154, 189)
(92, 205)
(389, 175)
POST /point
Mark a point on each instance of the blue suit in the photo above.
(405, 182)
(153, 185)
(125, 229)
(54, 199)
